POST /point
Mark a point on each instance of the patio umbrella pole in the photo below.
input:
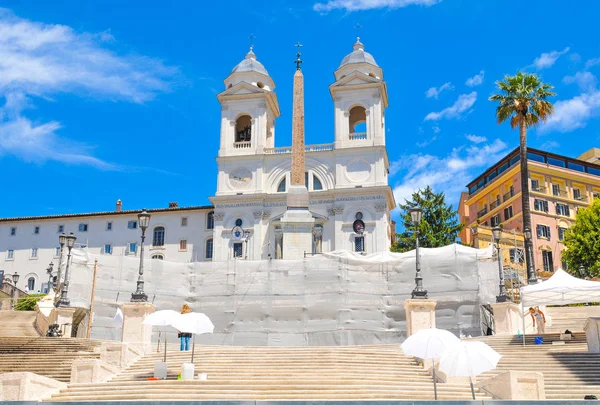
(522, 314)
(472, 389)
(193, 347)
(165, 360)
(434, 382)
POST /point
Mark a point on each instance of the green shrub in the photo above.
(28, 303)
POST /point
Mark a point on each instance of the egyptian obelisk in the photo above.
(297, 220)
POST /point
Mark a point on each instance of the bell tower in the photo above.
(249, 108)
(360, 97)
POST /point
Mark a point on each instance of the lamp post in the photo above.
(64, 301)
(62, 239)
(246, 237)
(143, 223)
(49, 271)
(497, 234)
(15, 279)
(531, 277)
(419, 292)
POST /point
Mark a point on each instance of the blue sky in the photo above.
(112, 99)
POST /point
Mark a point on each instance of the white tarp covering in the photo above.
(341, 298)
(561, 289)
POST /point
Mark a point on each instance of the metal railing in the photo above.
(242, 145)
(581, 198)
(321, 147)
(539, 189)
(508, 195)
(495, 204)
(357, 136)
(482, 212)
(560, 193)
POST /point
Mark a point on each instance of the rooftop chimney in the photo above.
(119, 207)
(173, 204)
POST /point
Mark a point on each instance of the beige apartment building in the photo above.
(559, 186)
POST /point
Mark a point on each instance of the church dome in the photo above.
(358, 56)
(250, 64)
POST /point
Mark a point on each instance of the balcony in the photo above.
(242, 145)
(321, 147)
(495, 204)
(482, 212)
(582, 198)
(560, 193)
(357, 136)
(508, 195)
(539, 189)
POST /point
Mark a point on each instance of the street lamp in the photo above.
(497, 234)
(143, 223)
(419, 292)
(15, 279)
(531, 277)
(64, 301)
(49, 271)
(62, 239)
(246, 237)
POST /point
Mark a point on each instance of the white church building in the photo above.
(347, 181)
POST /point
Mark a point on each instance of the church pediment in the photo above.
(242, 88)
(356, 78)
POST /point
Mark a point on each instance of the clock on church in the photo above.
(240, 178)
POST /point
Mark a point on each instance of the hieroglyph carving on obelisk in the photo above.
(298, 150)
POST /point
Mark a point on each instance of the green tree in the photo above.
(523, 102)
(582, 242)
(439, 223)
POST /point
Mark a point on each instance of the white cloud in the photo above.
(426, 142)
(573, 113)
(476, 138)
(461, 105)
(585, 80)
(358, 5)
(549, 145)
(475, 80)
(449, 174)
(548, 59)
(434, 92)
(43, 60)
(592, 62)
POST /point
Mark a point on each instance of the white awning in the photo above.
(561, 289)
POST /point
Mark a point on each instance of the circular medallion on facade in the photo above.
(358, 170)
(359, 215)
(238, 222)
(237, 233)
(358, 226)
(240, 178)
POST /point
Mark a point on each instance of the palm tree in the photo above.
(522, 102)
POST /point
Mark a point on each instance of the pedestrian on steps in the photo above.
(538, 317)
(184, 338)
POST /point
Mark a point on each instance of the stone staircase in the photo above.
(50, 357)
(572, 318)
(17, 323)
(570, 372)
(275, 373)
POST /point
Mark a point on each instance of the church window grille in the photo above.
(359, 244)
(208, 254)
(238, 249)
(158, 236)
(210, 220)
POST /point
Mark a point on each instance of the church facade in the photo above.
(347, 181)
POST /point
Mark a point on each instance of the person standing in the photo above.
(184, 338)
(538, 317)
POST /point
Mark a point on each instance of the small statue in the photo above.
(54, 330)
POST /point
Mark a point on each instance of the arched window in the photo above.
(317, 183)
(208, 252)
(243, 128)
(158, 237)
(158, 256)
(281, 186)
(357, 120)
(31, 283)
(210, 220)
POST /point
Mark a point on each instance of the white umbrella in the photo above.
(429, 344)
(164, 318)
(469, 359)
(196, 323)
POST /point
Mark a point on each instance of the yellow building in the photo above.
(559, 186)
